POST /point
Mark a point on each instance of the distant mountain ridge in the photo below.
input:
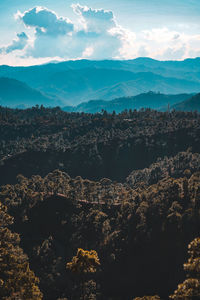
(190, 104)
(151, 100)
(14, 93)
(73, 82)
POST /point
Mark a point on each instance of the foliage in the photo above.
(94, 146)
(17, 281)
(190, 288)
(148, 298)
(84, 262)
(126, 224)
(139, 225)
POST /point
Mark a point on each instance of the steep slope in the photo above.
(15, 93)
(189, 104)
(130, 225)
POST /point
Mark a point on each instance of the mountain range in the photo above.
(73, 82)
(14, 93)
(192, 103)
(151, 100)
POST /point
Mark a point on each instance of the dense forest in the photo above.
(125, 187)
(40, 140)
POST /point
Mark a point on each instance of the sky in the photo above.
(38, 31)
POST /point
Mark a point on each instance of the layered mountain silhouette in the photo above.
(190, 104)
(146, 100)
(14, 93)
(74, 82)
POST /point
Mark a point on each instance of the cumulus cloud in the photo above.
(97, 36)
(17, 44)
(53, 34)
(95, 20)
(162, 43)
(127, 39)
(46, 22)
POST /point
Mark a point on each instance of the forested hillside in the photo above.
(190, 104)
(146, 100)
(139, 230)
(40, 140)
(126, 186)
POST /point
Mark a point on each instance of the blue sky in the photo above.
(33, 32)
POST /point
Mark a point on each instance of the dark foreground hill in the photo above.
(190, 104)
(128, 187)
(140, 228)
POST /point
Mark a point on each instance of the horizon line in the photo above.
(97, 60)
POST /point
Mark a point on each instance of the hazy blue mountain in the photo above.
(73, 82)
(75, 86)
(190, 104)
(14, 93)
(85, 84)
(144, 82)
(178, 69)
(146, 100)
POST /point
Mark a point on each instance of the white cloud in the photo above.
(17, 44)
(57, 36)
(13, 59)
(94, 20)
(88, 52)
(127, 42)
(98, 36)
(46, 22)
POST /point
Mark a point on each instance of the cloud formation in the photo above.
(162, 43)
(17, 44)
(94, 20)
(46, 22)
(97, 36)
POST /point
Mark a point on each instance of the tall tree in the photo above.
(190, 288)
(84, 263)
(17, 281)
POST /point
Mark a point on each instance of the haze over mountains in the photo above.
(152, 100)
(74, 82)
(14, 93)
(189, 104)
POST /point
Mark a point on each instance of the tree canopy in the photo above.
(17, 281)
(190, 288)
